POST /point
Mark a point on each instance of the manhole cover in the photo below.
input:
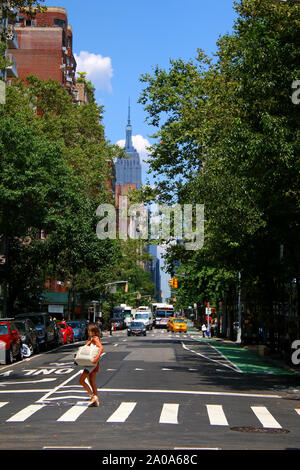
(260, 430)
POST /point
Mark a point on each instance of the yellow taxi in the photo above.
(177, 324)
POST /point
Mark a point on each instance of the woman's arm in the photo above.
(96, 341)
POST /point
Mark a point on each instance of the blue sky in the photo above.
(117, 41)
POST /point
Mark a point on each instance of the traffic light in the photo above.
(175, 283)
(171, 282)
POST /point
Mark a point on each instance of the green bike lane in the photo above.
(247, 360)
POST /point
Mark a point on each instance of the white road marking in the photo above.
(297, 411)
(122, 413)
(169, 413)
(73, 413)
(24, 382)
(3, 403)
(66, 447)
(37, 390)
(265, 417)
(45, 397)
(188, 392)
(25, 413)
(65, 398)
(216, 415)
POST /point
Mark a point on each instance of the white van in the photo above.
(144, 316)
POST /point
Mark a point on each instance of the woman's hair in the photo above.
(93, 330)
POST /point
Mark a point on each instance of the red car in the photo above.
(10, 341)
(67, 332)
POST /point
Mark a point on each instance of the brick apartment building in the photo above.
(46, 47)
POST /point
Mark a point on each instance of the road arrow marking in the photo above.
(24, 382)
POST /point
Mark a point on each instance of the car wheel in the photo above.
(20, 354)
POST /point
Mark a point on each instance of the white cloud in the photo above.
(99, 69)
(141, 144)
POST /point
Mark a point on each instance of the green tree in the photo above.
(228, 137)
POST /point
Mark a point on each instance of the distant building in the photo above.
(129, 171)
(153, 267)
(46, 47)
(8, 18)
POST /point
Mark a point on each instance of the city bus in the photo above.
(161, 314)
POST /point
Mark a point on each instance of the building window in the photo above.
(60, 23)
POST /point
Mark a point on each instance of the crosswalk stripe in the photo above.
(265, 417)
(25, 413)
(122, 413)
(216, 415)
(3, 403)
(297, 411)
(73, 413)
(169, 413)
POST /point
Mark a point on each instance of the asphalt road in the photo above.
(162, 391)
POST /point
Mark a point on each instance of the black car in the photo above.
(45, 327)
(28, 333)
(137, 328)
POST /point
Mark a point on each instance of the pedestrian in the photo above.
(99, 324)
(112, 327)
(204, 330)
(90, 372)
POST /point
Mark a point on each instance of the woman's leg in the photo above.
(92, 380)
(84, 384)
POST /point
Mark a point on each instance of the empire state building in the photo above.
(129, 170)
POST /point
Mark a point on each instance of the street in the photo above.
(163, 391)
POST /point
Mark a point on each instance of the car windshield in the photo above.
(179, 320)
(74, 324)
(164, 314)
(3, 330)
(37, 319)
(62, 326)
(142, 316)
(137, 324)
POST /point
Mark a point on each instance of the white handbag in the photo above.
(86, 354)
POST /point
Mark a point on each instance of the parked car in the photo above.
(77, 329)
(11, 343)
(29, 335)
(67, 332)
(137, 328)
(44, 325)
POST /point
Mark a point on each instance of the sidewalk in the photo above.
(249, 361)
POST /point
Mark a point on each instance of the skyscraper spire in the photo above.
(129, 111)
(128, 144)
